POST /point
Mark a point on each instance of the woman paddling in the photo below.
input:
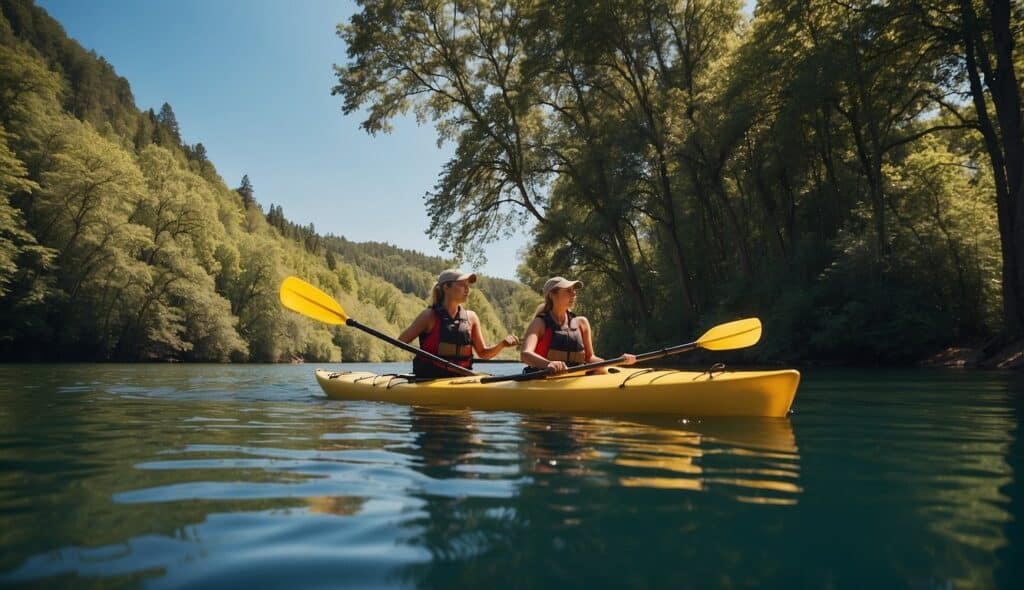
(449, 330)
(557, 338)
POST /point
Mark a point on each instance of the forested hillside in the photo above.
(120, 242)
(849, 171)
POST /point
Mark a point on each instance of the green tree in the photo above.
(245, 191)
(117, 241)
(82, 211)
(461, 65)
(688, 166)
(179, 305)
(15, 239)
(169, 122)
(979, 37)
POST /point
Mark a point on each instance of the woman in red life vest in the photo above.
(557, 338)
(448, 330)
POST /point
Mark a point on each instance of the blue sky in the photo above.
(251, 80)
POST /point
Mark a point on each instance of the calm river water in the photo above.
(210, 476)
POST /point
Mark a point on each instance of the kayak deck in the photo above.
(621, 390)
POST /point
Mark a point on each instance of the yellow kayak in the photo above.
(620, 391)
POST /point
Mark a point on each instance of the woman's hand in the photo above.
(557, 367)
(628, 359)
(510, 340)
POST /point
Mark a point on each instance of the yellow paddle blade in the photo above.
(298, 295)
(738, 334)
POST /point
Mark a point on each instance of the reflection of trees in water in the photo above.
(444, 438)
(1010, 571)
(336, 505)
(446, 443)
(916, 481)
(557, 451)
(554, 445)
(104, 477)
(92, 447)
(575, 520)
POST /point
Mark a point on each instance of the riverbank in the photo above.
(963, 357)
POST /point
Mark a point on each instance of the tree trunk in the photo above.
(1005, 146)
(1006, 97)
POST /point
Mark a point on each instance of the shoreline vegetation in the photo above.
(845, 172)
(956, 357)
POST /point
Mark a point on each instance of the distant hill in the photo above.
(118, 241)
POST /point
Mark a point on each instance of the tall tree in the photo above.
(170, 122)
(987, 41)
(82, 211)
(245, 190)
(537, 99)
(978, 39)
(461, 64)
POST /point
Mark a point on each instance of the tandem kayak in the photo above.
(622, 390)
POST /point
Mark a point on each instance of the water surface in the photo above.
(197, 476)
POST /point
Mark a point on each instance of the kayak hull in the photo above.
(621, 390)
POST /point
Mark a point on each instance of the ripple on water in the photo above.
(179, 479)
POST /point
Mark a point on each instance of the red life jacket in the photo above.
(450, 339)
(561, 343)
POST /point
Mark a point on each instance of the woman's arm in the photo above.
(588, 343)
(423, 323)
(482, 350)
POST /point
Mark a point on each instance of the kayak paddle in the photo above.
(298, 295)
(728, 336)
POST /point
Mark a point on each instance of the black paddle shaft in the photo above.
(664, 352)
(647, 356)
(408, 347)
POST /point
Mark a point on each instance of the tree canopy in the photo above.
(120, 242)
(831, 167)
(850, 172)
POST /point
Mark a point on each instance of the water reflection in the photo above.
(754, 461)
(1010, 568)
(919, 474)
(591, 492)
(456, 484)
(444, 438)
(336, 505)
(108, 483)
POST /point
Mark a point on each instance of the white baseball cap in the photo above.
(455, 274)
(560, 283)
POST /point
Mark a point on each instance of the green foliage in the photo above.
(169, 122)
(246, 191)
(512, 303)
(93, 92)
(808, 166)
(812, 167)
(15, 240)
(117, 241)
